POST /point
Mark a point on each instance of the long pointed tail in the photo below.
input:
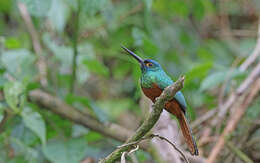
(187, 133)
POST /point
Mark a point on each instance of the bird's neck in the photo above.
(151, 77)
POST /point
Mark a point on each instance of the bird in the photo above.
(153, 81)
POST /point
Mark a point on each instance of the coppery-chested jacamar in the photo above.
(153, 82)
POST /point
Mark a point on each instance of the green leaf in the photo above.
(15, 95)
(12, 43)
(91, 7)
(38, 8)
(198, 71)
(29, 153)
(58, 14)
(93, 136)
(217, 78)
(96, 67)
(19, 63)
(34, 121)
(59, 151)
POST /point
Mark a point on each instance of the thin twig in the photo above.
(156, 136)
(177, 149)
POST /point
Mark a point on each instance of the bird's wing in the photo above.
(164, 82)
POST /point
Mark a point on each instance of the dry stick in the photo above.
(233, 122)
(150, 121)
(42, 67)
(160, 137)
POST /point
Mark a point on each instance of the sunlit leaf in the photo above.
(93, 136)
(12, 43)
(15, 95)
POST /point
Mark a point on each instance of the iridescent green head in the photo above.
(147, 64)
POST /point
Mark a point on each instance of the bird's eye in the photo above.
(149, 64)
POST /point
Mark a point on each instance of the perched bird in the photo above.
(153, 82)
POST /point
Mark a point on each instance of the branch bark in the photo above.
(150, 121)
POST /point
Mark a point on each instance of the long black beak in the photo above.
(139, 59)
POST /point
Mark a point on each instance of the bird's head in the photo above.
(146, 64)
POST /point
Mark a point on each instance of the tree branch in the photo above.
(59, 107)
(150, 121)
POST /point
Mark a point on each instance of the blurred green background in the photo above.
(201, 39)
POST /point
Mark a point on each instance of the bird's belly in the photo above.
(152, 92)
(172, 106)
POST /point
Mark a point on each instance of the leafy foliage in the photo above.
(186, 37)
